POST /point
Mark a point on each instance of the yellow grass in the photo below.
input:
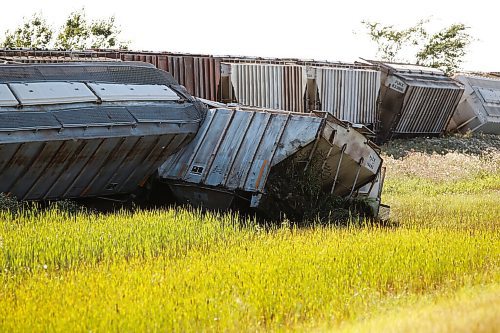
(469, 310)
(180, 270)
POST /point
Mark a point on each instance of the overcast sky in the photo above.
(314, 29)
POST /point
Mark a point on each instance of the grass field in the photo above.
(437, 268)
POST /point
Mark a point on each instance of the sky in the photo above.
(309, 29)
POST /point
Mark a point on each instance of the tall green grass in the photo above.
(180, 270)
(183, 270)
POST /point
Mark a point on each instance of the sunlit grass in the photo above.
(98, 273)
(471, 309)
(181, 270)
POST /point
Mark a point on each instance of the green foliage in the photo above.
(32, 33)
(9, 204)
(391, 41)
(443, 50)
(77, 33)
(104, 33)
(298, 195)
(74, 33)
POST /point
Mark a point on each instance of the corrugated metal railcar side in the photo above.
(415, 100)
(479, 107)
(200, 75)
(280, 87)
(236, 151)
(349, 94)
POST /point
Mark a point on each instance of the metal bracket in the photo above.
(356, 178)
(338, 168)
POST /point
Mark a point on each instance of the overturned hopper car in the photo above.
(415, 101)
(238, 151)
(89, 129)
(479, 108)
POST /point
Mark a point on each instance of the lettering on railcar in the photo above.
(197, 170)
(396, 84)
(371, 162)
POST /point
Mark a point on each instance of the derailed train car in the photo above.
(199, 74)
(238, 151)
(89, 129)
(479, 107)
(126, 124)
(415, 100)
(347, 91)
(272, 86)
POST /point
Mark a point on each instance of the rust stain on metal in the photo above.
(85, 191)
(182, 170)
(143, 181)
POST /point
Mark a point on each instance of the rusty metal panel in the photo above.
(182, 72)
(217, 78)
(199, 75)
(263, 158)
(84, 167)
(280, 87)
(56, 56)
(207, 73)
(223, 160)
(53, 171)
(349, 94)
(164, 146)
(76, 161)
(206, 150)
(189, 74)
(236, 150)
(127, 57)
(22, 159)
(162, 62)
(479, 107)
(97, 160)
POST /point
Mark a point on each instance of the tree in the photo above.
(32, 33)
(391, 41)
(443, 50)
(104, 34)
(76, 34)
